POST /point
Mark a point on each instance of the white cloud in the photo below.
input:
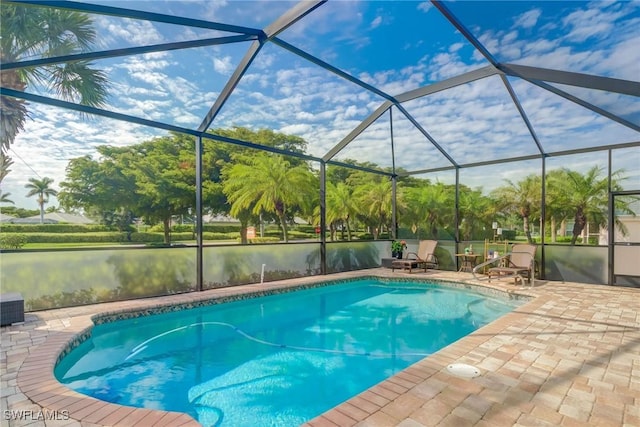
(376, 22)
(223, 65)
(456, 47)
(54, 136)
(597, 38)
(284, 92)
(126, 31)
(590, 23)
(528, 19)
(425, 6)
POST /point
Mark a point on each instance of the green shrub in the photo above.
(99, 237)
(213, 228)
(147, 237)
(509, 234)
(310, 229)
(12, 241)
(222, 228)
(295, 234)
(219, 236)
(55, 228)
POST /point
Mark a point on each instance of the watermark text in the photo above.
(35, 415)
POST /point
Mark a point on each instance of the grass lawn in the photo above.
(72, 245)
(115, 244)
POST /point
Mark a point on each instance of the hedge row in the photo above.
(10, 240)
(54, 228)
(184, 228)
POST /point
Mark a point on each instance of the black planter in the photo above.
(396, 254)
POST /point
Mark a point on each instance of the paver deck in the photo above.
(568, 357)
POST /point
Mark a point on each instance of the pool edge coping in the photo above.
(44, 389)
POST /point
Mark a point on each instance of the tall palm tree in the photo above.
(267, 183)
(588, 196)
(557, 206)
(374, 201)
(41, 32)
(40, 188)
(429, 207)
(340, 208)
(523, 197)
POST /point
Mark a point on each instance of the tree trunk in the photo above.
(554, 231)
(348, 229)
(41, 202)
(243, 231)
(578, 226)
(527, 230)
(283, 224)
(167, 230)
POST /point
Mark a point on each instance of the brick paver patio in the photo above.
(569, 357)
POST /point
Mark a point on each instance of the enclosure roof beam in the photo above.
(231, 84)
(621, 146)
(358, 167)
(461, 79)
(523, 114)
(287, 19)
(357, 130)
(139, 14)
(586, 104)
(291, 16)
(589, 81)
(331, 68)
(146, 122)
(112, 53)
(426, 134)
(464, 31)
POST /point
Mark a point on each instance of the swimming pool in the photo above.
(276, 360)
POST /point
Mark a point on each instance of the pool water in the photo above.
(278, 360)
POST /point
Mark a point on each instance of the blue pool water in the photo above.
(278, 360)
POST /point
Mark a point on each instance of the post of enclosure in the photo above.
(199, 242)
(323, 222)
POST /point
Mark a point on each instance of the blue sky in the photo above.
(395, 46)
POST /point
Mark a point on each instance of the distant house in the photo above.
(54, 218)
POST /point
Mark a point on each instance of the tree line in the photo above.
(155, 181)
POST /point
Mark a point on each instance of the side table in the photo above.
(467, 262)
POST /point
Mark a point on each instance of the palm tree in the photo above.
(374, 200)
(431, 205)
(523, 197)
(340, 208)
(5, 164)
(476, 212)
(40, 187)
(42, 32)
(588, 196)
(557, 206)
(4, 198)
(267, 183)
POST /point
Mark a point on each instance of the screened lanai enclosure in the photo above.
(205, 144)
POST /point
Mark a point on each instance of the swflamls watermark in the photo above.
(39, 415)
